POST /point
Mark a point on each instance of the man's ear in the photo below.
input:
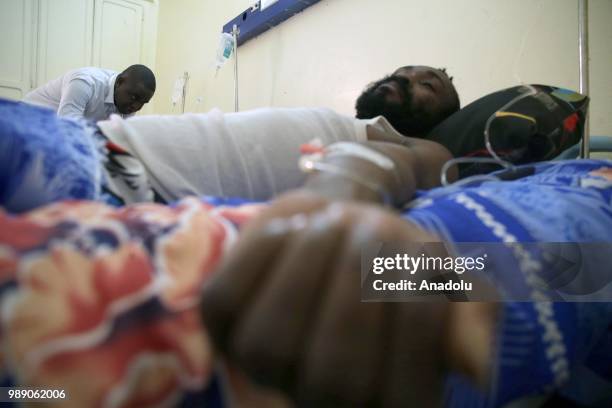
(120, 79)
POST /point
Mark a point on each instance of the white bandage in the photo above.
(308, 165)
(360, 151)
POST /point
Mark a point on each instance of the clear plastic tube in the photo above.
(460, 160)
(494, 159)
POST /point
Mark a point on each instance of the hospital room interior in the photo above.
(306, 203)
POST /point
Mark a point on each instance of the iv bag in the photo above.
(226, 47)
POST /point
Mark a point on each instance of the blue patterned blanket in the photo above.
(44, 158)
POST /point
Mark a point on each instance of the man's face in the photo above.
(413, 99)
(130, 95)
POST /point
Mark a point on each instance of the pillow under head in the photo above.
(526, 124)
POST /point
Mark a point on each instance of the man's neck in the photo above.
(381, 135)
(115, 93)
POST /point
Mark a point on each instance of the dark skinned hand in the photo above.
(285, 308)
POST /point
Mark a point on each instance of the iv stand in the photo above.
(583, 68)
(235, 32)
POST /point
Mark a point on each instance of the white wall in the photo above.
(600, 32)
(328, 53)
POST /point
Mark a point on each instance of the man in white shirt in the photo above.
(95, 93)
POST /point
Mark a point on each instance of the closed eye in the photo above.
(428, 85)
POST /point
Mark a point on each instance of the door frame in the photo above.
(41, 49)
(29, 26)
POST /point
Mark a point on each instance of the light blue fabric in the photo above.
(44, 158)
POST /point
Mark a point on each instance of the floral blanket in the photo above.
(91, 292)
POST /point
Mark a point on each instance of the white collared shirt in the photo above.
(84, 92)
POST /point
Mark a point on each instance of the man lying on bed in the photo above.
(104, 303)
(249, 154)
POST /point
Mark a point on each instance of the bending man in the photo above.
(96, 93)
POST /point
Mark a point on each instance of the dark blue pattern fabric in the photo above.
(541, 346)
(44, 158)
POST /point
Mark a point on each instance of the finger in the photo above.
(243, 393)
(300, 202)
(414, 360)
(268, 341)
(344, 352)
(238, 279)
(414, 352)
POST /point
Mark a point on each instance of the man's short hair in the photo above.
(457, 101)
(141, 73)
